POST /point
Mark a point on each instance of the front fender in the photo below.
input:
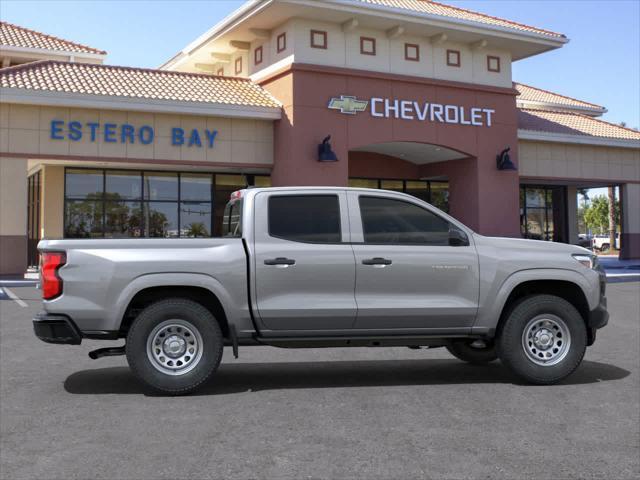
(493, 300)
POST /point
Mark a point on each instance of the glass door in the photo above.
(33, 218)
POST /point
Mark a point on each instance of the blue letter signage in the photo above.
(126, 133)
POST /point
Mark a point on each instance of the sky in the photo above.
(600, 64)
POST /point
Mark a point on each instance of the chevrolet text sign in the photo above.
(413, 110)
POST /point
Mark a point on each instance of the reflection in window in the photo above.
(135, 204)
(161, 186)
(123, 219)
(389, 221)
(83, 218)
(195, 218)
(434, 192)
(123, 185)
(161, 219)
(83, 183)
(539, 207)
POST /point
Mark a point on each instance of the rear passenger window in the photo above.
(305, 218)
(389, 221)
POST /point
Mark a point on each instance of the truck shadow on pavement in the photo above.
(244, 377)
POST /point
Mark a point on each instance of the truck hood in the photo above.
(531, 245)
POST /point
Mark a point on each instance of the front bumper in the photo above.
(56, 329)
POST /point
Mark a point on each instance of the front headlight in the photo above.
(589, 261)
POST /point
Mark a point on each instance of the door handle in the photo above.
(280, 261)
(376, 261)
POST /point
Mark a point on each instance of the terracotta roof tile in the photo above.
(434, 8)
(569, 123)
(16, 36)
(139, 83)
(534, 94)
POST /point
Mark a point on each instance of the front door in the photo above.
(414, 269)
(304, 265)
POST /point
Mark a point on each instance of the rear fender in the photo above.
(174, 279)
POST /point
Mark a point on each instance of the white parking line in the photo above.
(14, 297)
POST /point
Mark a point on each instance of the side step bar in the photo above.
(364, 341)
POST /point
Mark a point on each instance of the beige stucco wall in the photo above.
(13, 196)
(25, 130)
(587, 162)
(52, 211)
(343, 50)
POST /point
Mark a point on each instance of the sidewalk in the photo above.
(620, 270)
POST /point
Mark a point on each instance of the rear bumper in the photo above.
(56, 329)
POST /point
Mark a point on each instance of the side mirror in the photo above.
(457, 238)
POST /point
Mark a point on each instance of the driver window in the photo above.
(390, 221)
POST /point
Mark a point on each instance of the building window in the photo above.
(367, 46)
(412, 52)
(238, 65)
(318, 39)
(281, 42)
(34, 202)
(543, 212)
(220, 72)
(434, 192)
(133, 204)
(453, 58)
(493, 64)
(257, 55)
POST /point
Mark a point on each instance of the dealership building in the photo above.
(416, 96)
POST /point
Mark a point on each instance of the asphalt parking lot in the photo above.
(322, 413)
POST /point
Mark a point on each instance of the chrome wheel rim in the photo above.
(174, 347)
(546, 340)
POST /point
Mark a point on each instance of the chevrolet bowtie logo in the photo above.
(348, 105)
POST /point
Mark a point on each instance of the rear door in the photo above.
(304, 264)
(414, 269)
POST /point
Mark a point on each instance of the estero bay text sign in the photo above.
(126, 133)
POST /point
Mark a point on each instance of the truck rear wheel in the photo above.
(174, 346)
(476, 352)
(543, 340)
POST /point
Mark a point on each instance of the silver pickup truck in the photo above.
(324, 267)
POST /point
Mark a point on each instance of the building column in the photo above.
(52, 205)
(13, 216)
(630, 235)
(572, 215)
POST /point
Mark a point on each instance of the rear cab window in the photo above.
(305, 218)
(232, 219)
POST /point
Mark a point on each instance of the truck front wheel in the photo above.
(174, 346)
(543, 339)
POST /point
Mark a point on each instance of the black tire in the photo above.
(465, 351)
(513, 348)
(206, 358)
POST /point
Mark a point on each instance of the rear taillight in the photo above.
(51, 281)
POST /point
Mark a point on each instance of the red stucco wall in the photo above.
(481, 196)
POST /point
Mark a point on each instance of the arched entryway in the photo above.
(434, 173)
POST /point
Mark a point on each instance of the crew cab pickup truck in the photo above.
(324, 267)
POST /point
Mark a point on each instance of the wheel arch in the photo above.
(567, 284)
(149, 288)
(565, 289)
